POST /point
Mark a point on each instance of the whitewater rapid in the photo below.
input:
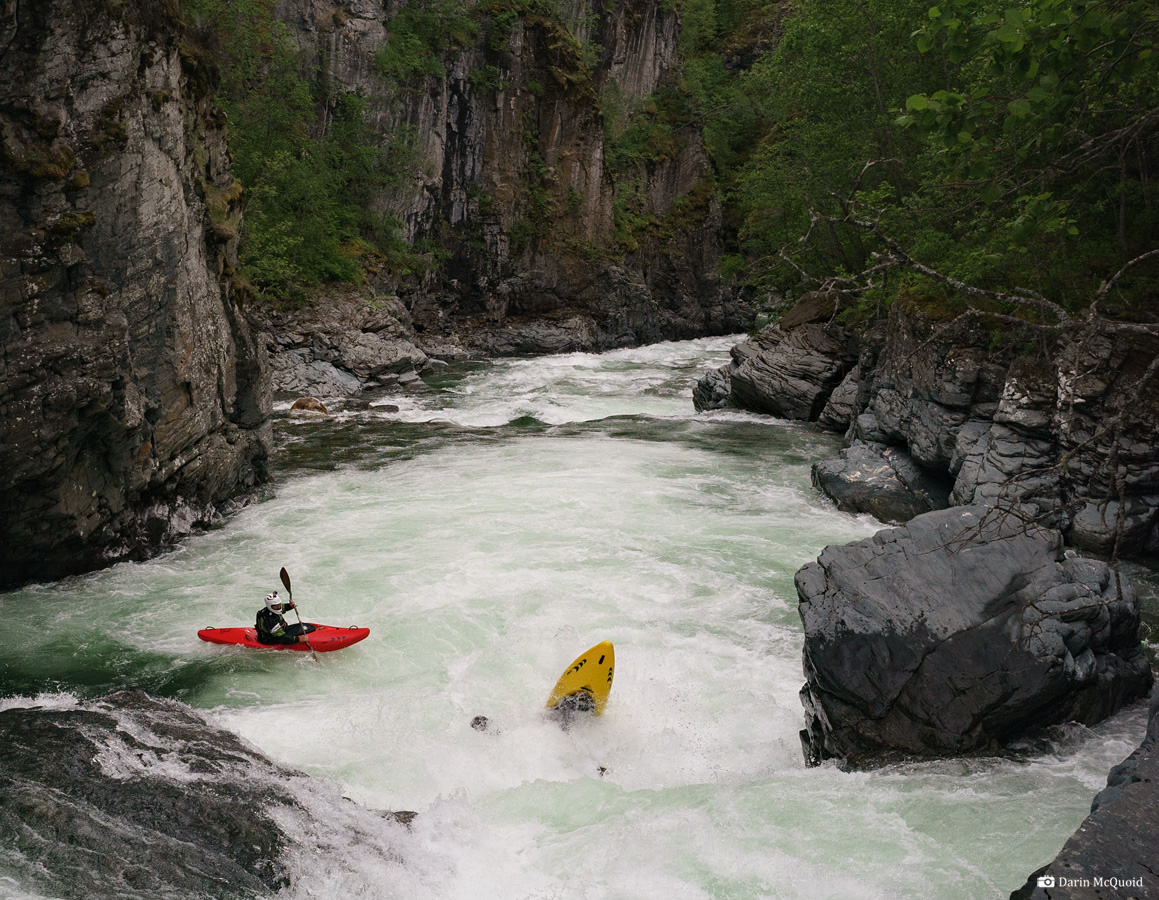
(489, 529)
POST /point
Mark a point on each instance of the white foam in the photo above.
(483, 568)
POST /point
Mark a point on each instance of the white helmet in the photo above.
(273, 602)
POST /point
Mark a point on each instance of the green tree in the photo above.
(829, 93)
(306, 158)
(1049, 113)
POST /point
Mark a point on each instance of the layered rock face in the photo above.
(553, 247)
(958, 632)
(790, 369)
(132, 391)
(342, 343)
(1070, 439)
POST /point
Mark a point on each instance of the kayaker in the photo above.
(273, 629)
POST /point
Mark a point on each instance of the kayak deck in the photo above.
(322, 639)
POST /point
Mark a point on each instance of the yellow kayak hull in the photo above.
(592, 672)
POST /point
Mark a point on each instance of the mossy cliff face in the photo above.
(132, 395)
(554, 160)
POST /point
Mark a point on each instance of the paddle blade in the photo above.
(286, 580)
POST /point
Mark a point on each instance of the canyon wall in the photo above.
(556, 237)
(133, 395)
(939, 412)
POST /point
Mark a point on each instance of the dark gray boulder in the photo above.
(1114, 852)
(882, 481)
(841, 408)
(789, 369)
(713, 391)
(133, 798)
(958, 632)
(792, 375)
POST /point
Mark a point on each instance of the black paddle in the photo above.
(286, 581)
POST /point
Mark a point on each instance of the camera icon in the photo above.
(1045, 881)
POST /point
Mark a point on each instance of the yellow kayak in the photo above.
(590, 674)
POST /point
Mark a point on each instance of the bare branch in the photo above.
(1108, 285)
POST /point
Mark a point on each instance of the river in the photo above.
(490, 528)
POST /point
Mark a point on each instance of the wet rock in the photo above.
(790, 375)
(713, 391)
(1068, 436)
(1005, 466)
(132, 798)
(1112, 854)
(882, 481)
(841, 407)
(789, 369)
(958, 632)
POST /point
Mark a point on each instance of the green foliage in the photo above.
(629, 213)
(720, 97)
(570, 60)
(487, 78)
(826, 98)
(420, 34)
(1009, 143)
(1047, 109)
(307, 160)
(650, 135)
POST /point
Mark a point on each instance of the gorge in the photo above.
(494, 239)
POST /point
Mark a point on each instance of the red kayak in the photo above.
(322, 638)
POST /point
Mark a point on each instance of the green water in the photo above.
(488, 531)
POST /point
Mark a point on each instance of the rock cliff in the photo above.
(133, 395)
(934, 413)
(554, 161)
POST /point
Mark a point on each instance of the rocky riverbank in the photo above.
(933, 416)
(972, 625)
(1112, 854)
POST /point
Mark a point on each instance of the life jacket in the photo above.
(270, 626)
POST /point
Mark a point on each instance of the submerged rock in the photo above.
(1113, 852)
(958, 632)
(134, 797)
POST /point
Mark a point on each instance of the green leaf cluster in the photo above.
(307, 159)
(420, 33)
(1012, 144)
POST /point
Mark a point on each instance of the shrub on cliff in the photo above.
(306, 158)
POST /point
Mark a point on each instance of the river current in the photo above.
(490, 528)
